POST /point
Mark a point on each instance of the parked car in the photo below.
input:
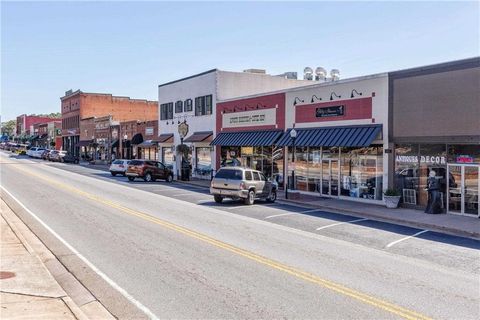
(242, 183)
(31, 151)
(51, 155)
(37, 153)
(45, 154)
(119, 166)
(68, 157)
(148, 170)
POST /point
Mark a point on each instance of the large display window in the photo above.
(349, 172)
(168, 156)
(203, 161)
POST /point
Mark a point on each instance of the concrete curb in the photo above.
(79, 299)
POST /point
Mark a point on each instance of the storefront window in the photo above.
(277, 166)
(301, 168)
(314, 169)
(432, 157)
(230, 157)
(406, 172)
(203, 158)
(361, 173)
(464, 153)
(168, 156)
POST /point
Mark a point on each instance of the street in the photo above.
(181, 255)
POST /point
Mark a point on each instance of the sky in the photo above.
(129, 48)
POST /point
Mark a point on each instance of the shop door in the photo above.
(463, 189)
(330, 177)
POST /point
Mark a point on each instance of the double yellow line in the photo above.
(381, 304)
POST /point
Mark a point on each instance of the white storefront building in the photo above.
(190, 104)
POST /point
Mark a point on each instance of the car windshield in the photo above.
(229, 174)
(118, 162)
(136, 163)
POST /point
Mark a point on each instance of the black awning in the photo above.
(353, 136)
(148, 144)
(33, 138)
(137, 139)
(83, 143)
(43, 136)
(247, 138)
(199, 136)
(115, 144)
(166, 137)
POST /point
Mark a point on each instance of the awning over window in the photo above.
(199, 136)
(43, 136)
(137, 139)
(148, 144)
(353, 136)
(83, 143)
(247, 138)
(115, 144)
(166, 137)
(33, 138)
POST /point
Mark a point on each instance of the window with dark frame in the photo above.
(188, 105)
(166, 111)
(179, 106)
(203, 105)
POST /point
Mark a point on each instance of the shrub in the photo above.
(392, 193)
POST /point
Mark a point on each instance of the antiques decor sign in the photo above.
(250, 118)
(333, 111)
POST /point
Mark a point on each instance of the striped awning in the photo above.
(352, 136)
(247, 138)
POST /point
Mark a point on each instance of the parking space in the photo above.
(412, 242)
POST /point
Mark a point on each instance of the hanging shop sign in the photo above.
(332, 111)
(149, 131)
(183, 129)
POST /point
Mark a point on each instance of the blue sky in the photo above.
(128, 48)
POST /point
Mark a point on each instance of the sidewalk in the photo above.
(446, 223)
(28, 289)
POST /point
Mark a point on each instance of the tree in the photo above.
(8, 127)
(56, 115)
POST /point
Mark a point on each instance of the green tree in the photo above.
(8, 127)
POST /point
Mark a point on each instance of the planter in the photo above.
(391, 201)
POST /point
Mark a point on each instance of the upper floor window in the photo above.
(178, 106)
(188, 106)
(166, 111)
(203, 105)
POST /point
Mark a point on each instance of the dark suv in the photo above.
(148, 170)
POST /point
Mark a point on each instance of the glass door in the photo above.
(330, 171)
(463, 189)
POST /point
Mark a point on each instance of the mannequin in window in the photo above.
(433, 187)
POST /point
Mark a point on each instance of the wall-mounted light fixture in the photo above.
(315, 97)
(297, 99)
(333, 94)
(355, 92)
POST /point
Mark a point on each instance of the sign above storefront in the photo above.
(149, 131)
(464, 159)
(250, 118)
(421, 159)
(332, 111)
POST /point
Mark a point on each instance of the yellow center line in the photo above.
(379, 303)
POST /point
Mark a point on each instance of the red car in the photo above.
(148, 171)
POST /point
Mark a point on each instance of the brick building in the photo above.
(25, 123)
(78, 105)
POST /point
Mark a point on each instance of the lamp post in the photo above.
(124, 144)
(293, 135)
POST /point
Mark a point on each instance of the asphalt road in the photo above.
(181, 255)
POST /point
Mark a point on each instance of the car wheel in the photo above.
(124, 174)
(114, 174)
(169, 178)
(250, 198)
(273, 196)
(131, 178)
(147, 177)
(218, 199)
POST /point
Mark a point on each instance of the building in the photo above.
(25, 123)
(339, 148)
(434, 112)
(79, 105)
(187, 109)
(139, 140)
(47, 134)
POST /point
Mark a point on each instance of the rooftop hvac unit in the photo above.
(308, 73)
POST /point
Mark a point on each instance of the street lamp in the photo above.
(124, 145)
(293, 135)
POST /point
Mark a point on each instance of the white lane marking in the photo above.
(137, 303)
(193, 193)
(291, 213)
(339, 223)
(406, 238)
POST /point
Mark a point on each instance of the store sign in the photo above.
(250, 118)
(247, 150)
(183, 129)
(464, 159)
(149, 131)
(333, 111)
(421, 159)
